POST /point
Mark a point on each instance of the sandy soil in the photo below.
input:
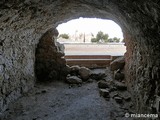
(59, 101)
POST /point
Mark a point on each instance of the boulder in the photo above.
(98, 76)
(104, 93)
(74, 70)
(73, 80)
(103, 84)
(118, 75)
(117, 64)
(120, 85)
(84, 73)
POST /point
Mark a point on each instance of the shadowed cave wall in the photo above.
(23, 22)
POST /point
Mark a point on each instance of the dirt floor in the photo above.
(61, 101)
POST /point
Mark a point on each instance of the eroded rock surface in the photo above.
(50, 61)
(117, 64)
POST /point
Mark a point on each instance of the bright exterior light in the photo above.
(90, 26)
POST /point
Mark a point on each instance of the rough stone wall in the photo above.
(16, 59)
(50, 63)
(23, 22)
(142, 57)
(18, 39)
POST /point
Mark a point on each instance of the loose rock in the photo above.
(74, 80)
(120, 86)
(84, 73)
(74, 70)
(104, 93)
(98, 76)
(117, 64)
(103, 84)
(118, 75)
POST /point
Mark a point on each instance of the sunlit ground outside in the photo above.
(86, 36)
(95, 49)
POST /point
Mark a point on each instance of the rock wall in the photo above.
(142, 57)
(50, 63)
(23, 22)
(143, 75)
(18, 39)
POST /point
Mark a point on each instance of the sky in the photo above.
(91, 25)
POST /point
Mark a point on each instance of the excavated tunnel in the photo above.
(24, 23)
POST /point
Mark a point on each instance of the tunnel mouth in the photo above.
(53, 57)
(77, 34)
(83, 30)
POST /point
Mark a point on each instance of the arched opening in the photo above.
(85, 52)
(93, 40)
(82, 30)
(51, 65)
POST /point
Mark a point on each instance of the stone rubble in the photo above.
(97, 76)
(81, 72)
(104, 93)
(120, 85)
(74, 70)
(84, 73)
(103, 84)
(117, 64)
(118, 75)
(111, 90)
(114, 90)
(73, 80)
